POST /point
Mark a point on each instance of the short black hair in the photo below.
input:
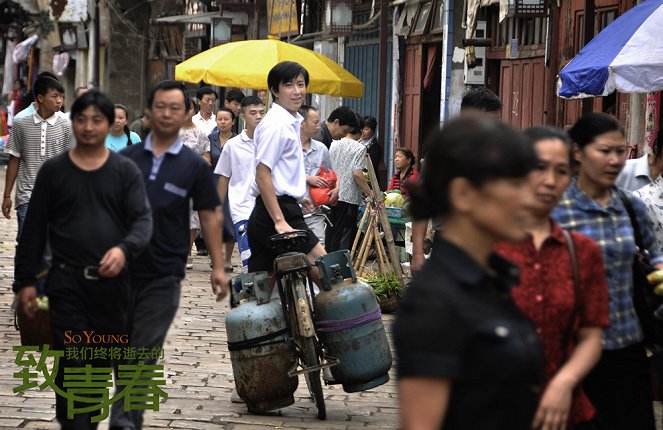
(356, 129)
(252, 100)
(47, 74)
(284, 72)
(190, 105)
(166, 86)
(234, 96)
(230, 111)
(45, 83)
(344, 115)
(591, 125)
(543, 132)
(371, 122)
(481, 98)
(479, 149)
(305, 109)
(204, 91)
(95, 98)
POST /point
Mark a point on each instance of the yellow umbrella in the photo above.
(246, 64)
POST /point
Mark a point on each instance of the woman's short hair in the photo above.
(479, 149)
(230, 111)
(591, 125)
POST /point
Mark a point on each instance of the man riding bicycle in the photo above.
(280, 175)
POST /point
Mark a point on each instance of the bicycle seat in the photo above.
(287, 242)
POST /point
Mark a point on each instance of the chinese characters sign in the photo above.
(87, 388)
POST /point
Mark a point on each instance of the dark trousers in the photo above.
(79, 306)
(154, 303)
(344, 218)
(620, 389)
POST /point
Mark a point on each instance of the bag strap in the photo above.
(576, 288)
(631, 215)
(576, 271)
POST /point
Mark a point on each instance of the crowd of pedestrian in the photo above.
(522, 317)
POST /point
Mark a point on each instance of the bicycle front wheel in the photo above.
(309, 355)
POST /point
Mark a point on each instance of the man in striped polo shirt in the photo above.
(34, 139)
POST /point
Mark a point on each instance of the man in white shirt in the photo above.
(316, 155)
(236, 175)
(205, 120)
(280, 181)
(644, 170)
(347, 156)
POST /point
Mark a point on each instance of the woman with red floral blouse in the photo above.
(571, 335)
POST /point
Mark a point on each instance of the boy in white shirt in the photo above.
(280, 181)
(236, 175)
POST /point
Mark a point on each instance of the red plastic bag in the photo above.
(319, 195)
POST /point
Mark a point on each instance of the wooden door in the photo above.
(522, 89)
(412, 81)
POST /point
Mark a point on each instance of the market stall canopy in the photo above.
(627, 56)
(246, 64)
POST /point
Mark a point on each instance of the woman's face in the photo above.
(551, 176)
(224, 121)
(120, 119)
(500, 207)
(603, 159)
(401, 162)
(366, 132)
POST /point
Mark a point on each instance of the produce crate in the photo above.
(394, 212)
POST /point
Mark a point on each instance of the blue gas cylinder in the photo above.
(348, 320)
(260, 351)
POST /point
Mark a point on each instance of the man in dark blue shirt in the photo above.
(173, 175)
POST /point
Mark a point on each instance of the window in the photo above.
(437, 24)
(422, 19)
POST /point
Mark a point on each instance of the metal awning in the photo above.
(238, 18)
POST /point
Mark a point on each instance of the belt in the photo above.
(91, 273)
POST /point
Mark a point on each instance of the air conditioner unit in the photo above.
(477, 75)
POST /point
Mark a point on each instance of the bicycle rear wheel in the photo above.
(309, 355)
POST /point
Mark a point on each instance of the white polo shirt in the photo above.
(205, 125)
(235, 163)
(278, 146)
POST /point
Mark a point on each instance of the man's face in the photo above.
(207, 104)
(290, 95)
(167, 113)
(51, 101)
(90, 127)
(234, 106)
(338, 131)
(252, 115)
(311, 124)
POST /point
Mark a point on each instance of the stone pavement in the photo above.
(199, 375)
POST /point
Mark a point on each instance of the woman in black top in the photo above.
(467, 357)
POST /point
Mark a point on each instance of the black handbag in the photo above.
(645, 301)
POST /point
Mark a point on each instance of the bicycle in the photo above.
(293, 278)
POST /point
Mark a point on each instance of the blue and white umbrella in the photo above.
(626, 56)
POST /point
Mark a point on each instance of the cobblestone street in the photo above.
(199, 374)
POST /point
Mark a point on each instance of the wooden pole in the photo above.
(363, 249)
(378, 203)
(361, 226)
(362, 264)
